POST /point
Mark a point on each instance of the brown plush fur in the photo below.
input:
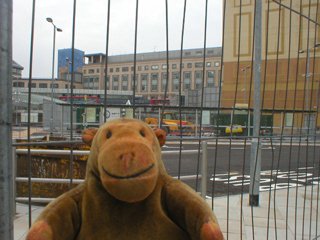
(127, 193)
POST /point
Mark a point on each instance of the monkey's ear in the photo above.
(88, 135)
(161, 135)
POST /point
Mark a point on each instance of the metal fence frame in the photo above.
(7, 180)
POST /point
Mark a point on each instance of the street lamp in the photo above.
(67, 76)
(245, 94)
(245, 83)
(317, 95)
(52, 86)
(307, 75)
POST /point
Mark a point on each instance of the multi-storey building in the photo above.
(289, 75)
(151, 71)
(65, 66)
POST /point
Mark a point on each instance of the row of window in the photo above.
(155, 83)
(92, 82)
(152, 67)
(40, 85)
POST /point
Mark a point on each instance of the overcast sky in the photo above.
(91, 24)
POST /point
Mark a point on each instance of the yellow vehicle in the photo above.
(171, 124)
(237, 129)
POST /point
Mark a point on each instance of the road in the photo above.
(229, 166)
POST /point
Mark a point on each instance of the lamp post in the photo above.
(67, 77)
(307, 75)
(52, 80)
(245, 94)
(245, 83)
(317, 95)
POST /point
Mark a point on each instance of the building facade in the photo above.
(65, 65)
(151, 72)
(286, 37)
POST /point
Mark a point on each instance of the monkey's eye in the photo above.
(109, 134)
(142, 134)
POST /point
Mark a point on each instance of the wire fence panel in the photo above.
(243, 91)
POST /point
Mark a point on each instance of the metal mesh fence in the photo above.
(254, 101)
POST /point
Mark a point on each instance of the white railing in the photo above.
(203, 174)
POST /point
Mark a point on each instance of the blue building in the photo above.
(64, 54)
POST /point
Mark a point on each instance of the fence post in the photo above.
(204, 169)
(255, 161)
(14, 176)
(6, 188)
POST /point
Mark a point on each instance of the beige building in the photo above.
(286, 38)
(151, 71)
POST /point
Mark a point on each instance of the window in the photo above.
(164, 82)
(125, 79)
(66, 86)
(217, 64)
(43, 85)
(98, 70)
(95, 82)
(154, 67)
(132, 68)
(189, 65)
(91, 82)
(198, 53)
(289, 119)
(139, 68)
(187, 53)
(164, 66)
(210, 51)
(182, 65)
(16, 70)
(210, 78)
(175, 81)
(85, 71)
(18, 84)
(125, 69)
(187, 81)
(111, 70)
(208, 64)
(146, 67)
(117, 69)
(56, 85)
(132, 82)
(198, 80)
(91, 70)
(108, 82)
(154, 82)
(144, 82)
(174, 66)
(86, 81)
(199, 64)
(115, 82)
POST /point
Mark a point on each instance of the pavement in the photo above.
(277, 216)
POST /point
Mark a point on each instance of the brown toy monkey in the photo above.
(127, 193)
